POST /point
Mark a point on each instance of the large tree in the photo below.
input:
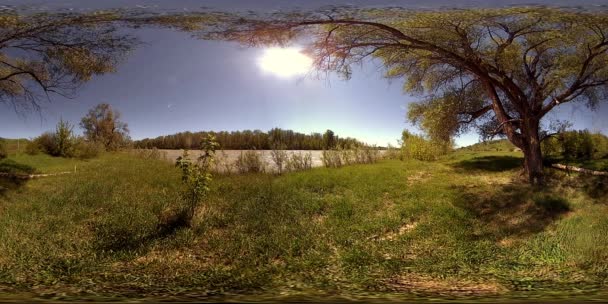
(102, 124)
(500, 70)
(43, 54)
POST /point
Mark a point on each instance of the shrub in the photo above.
(391, 153)
(551, 147)
(196, 177)
(348, 156)
(3, 152)
(371, 155)
(32, 147)
(299, 161)
(279, 157)
(250, 162)
(85, 149)
(582, 145)
(46, 142)
(146, 153)
(600, 146)
(417, 147)
(64, 139)
(58, 143)
(331, 158)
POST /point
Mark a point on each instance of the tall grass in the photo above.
(336, 158)
(395, 226)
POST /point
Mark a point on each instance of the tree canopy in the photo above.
(102, 124)
(55, 53)
(42, 54)
(498, 70)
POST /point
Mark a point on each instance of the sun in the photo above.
(284, 62)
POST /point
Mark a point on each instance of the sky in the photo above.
(176, 83)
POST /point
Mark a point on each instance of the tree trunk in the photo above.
(533, 158)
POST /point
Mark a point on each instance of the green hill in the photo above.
(491, 145)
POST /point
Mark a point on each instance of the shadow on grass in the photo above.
(512, 210)
(596, 187)
(122, 236)
(490, 163)
(13, 169)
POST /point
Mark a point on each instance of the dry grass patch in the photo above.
(419, 177)
(446, 287)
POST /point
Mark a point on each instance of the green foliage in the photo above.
(491, 145)
(3, 152)
(577, 145)
(32, 147)
(60, 51)
(61, 142)
(64, 139)
(46, 142)
(551, 147)
(247, 140)
(417, 147)
(102, 124)
(600, 146)
(329, 140)
(196, 177)
(85, 149)
(338, 157)
(498, 70)
(432, 225)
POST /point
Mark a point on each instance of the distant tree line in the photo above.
(246, 140)
(579, 145)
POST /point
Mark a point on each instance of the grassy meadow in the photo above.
(461, 227)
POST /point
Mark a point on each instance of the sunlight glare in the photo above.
(284, 62)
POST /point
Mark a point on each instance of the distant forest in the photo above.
(256, 139)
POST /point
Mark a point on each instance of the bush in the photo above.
(146, 153)
(85, 149)
(58, 143)
(551, 147)
(581, 145)
(32, 147)
(64, 139)
(279, 157)
(196, 177)
(371, 155)
(331, 158)
(417, 147)
(299, 161)
(348, 156)
(391, 153)
(3, 152)
(46, 142)
(250, 162)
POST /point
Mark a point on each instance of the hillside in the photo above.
(491, 145)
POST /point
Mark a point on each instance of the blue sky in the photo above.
(176, 83)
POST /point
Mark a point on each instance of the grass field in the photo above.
(464, 226)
